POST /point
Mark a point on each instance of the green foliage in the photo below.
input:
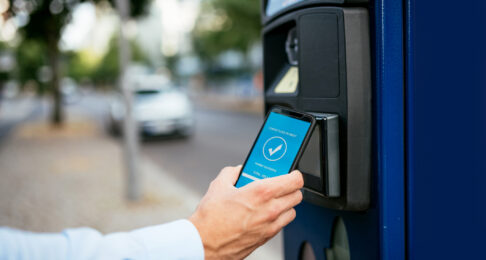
(49, 16)
(4, 75)
(30, 55)
(108, 69)
(171, 64)
(80, 65)
(226, 25)
(46, 20)
(42, 33)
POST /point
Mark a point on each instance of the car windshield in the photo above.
(144, 95)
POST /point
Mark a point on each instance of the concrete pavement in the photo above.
(14, 111)
(57, 178)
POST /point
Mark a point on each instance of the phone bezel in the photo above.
(290, 113)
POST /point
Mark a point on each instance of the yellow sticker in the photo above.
(289, 82)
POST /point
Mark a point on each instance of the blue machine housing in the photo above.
(428, 196)
(445, 129)
(428, 177)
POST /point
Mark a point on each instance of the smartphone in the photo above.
(278, 146)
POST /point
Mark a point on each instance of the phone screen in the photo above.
(275, 149)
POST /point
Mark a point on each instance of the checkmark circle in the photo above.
(272, 148)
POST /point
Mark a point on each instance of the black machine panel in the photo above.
(321, 77)
(317, 60)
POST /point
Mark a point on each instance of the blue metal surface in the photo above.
(389, 122)
(445, 127)
(314, 225)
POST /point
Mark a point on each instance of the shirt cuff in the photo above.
(175, 240)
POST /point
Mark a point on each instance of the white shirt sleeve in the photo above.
(175, 240)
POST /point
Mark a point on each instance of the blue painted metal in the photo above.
(314, 225)
(389, 122)
(378, 233)
(446, 129)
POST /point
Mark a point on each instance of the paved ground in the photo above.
(57, 178)
(14, 111)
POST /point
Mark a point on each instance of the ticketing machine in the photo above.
(317, 60)
(395, 168)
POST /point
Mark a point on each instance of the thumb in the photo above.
(229, 175)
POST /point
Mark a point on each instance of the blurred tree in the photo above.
(80, 64)
(4, 75)
(171, 64)
(30, 56)
(226, 25)
(46, 19)
(108, 69)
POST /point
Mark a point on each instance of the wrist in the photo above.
(209, 249)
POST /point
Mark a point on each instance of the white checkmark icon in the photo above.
(272, 151)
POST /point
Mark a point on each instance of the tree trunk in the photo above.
(57, 116)
(1, 94)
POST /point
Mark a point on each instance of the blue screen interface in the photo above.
(275, 149)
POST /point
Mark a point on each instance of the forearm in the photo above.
(17, 244)
(175, 240)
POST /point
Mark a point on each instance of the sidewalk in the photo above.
(55, 178)
(15, 110)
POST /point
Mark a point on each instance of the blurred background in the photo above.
(118, 114)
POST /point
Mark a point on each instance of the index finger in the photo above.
(276, 187)
(229, 175)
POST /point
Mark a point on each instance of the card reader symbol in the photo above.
(274, 148)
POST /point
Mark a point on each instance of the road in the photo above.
(221, 138)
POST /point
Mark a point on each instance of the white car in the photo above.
(159, 109)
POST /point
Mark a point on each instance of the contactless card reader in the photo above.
(320, 161)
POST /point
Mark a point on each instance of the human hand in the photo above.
(233, 222)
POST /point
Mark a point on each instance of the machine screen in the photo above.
(274, 6)
(275, 148)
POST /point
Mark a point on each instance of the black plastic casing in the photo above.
(320, 161)
(335, 78)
